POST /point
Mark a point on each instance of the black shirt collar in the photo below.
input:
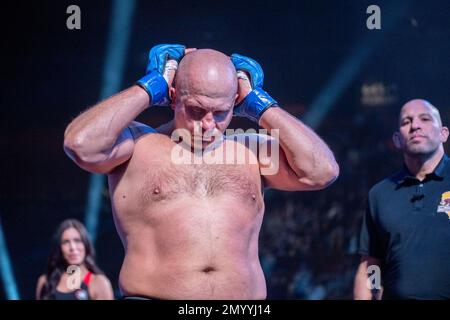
(405, 177)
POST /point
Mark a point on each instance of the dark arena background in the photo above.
(321, 62)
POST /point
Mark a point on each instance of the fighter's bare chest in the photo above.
(157, 177)
(163, 180)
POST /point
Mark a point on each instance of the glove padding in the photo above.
(258, 100)
(154, 82)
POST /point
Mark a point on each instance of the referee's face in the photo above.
(420, 129)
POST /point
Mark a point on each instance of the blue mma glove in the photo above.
(162, 60)
(257, 100)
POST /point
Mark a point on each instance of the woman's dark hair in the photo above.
(57, 265)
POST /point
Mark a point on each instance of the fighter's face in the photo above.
(72, 247)
(203, 116)
(420, 131)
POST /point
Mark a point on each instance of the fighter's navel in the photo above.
(253, 197)
(156, 190)
(208, 269)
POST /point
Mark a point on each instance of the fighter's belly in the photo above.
(195, 248)
(244, 283)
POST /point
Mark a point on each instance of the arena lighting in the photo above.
(353, 64)
(119, 34)
(9, 283)
(378, 94)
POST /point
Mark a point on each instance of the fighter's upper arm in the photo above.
(121, 151)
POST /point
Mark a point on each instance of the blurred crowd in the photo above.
(309, 240)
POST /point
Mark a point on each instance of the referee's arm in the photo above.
(362, 289)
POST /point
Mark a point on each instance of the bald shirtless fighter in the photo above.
(190, 230)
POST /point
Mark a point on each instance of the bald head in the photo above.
(421, 104)
(206, 72)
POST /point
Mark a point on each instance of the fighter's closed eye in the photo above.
(195, 111)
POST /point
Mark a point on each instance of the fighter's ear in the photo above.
(173, 97)
(396, 139)
(444, 134)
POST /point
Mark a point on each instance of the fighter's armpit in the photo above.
(138, 129)
(273, 164)
(265, 148)
(121, 151)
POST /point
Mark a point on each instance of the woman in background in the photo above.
(72, 273)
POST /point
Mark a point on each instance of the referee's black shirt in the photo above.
(407, 227)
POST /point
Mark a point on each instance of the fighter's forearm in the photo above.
(307, 154)
(98, 128)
